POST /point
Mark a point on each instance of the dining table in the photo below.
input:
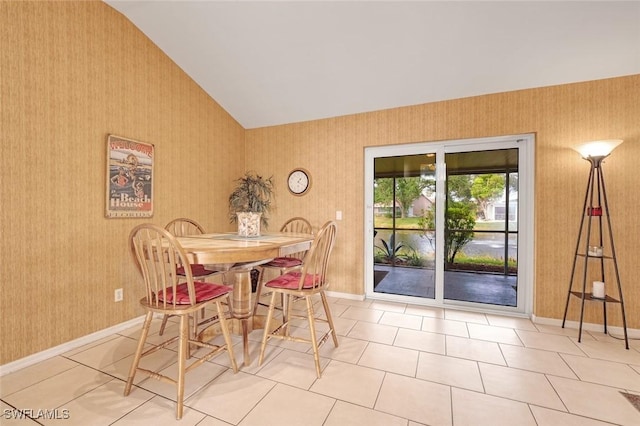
(239, 256)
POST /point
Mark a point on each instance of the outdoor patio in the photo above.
(494, 289)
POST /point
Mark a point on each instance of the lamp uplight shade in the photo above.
(598, 148)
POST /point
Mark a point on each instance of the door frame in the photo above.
(526, 199)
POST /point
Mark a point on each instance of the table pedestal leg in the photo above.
(242, 320)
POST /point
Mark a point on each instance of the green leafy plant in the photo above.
(390, 250)
(413, 258)
(460, 221)
(253, 193)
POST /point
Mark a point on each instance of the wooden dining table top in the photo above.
(228, 248)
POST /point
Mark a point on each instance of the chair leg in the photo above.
(193, 331)
(183, 352)
(138, 354)
(164, 324)
(285, 302)
(267, 326)
(225, 332)
(314, 338)
(327, 312)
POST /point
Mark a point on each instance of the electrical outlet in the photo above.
(118, 295)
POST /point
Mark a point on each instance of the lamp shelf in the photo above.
(589, 296)
(593, 256)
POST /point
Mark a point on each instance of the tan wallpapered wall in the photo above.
(561, 117)
(72, 73)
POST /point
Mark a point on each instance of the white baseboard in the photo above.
(349, 296)
(632, 333)
(66, 347)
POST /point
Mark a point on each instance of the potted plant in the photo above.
(250, 202)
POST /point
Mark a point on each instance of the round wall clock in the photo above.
(299, 181)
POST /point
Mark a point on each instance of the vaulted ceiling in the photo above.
(270, 63)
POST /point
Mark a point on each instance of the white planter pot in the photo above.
(249, 224)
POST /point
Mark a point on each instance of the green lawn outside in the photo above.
(412, 223)
(387, 222)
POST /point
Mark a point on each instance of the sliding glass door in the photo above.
(404, 244)
(481, 227)
(451, 223)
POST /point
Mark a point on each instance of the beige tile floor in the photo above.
(396, 364)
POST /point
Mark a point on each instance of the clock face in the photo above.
(298, 181)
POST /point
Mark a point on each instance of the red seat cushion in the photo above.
(291, 280)
(197, 270)
(204, 291)
(284, 262)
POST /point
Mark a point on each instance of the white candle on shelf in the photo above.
(595, 251)
(598, 289)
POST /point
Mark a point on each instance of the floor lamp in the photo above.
(595, 207)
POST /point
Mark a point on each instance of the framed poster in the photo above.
(129, 178)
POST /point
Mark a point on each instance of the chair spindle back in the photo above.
(158, 254)
(314, 269)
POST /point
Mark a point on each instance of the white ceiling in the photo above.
(270, 63)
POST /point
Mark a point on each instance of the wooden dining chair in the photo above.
(283, 264)
(158, 256)
(181, 227)
(305, 283)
